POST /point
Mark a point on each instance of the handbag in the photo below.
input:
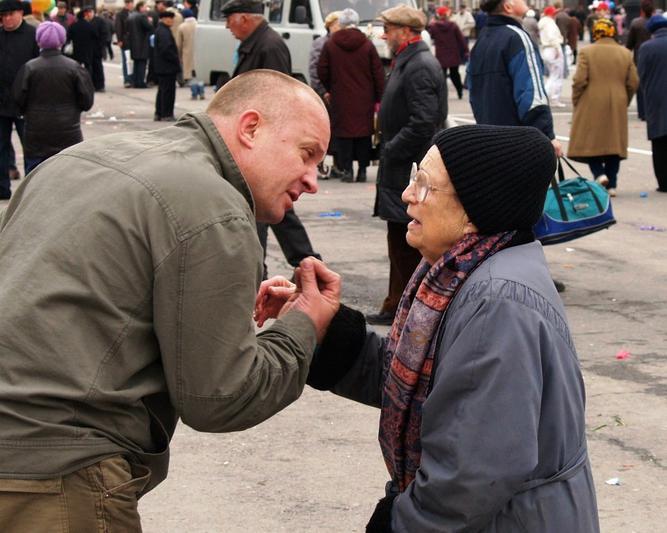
(573, 208)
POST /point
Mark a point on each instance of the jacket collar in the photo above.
(49, 52)
(227, 166)
(409, 53)
(502, 20)
(662, 32)
(247, 45)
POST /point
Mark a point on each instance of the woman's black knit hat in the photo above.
(500, 173)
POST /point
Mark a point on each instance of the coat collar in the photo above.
(49, 52)
(247, 45)
(227, 166)
(409, 53)
(502, 20)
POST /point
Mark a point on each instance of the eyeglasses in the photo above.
(419, 179)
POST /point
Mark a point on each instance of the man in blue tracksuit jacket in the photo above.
(505, 73)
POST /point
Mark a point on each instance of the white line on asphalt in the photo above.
(459, 118)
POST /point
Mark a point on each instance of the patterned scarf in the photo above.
(411, 348)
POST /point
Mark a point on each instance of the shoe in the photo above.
(102, 90)
(347, 178)
(127, 85)
(202, 97)
(14, 174)
(193, 97)
(558, 104)
(335, 173)
(560, 286)
(385, 318)
(602, 180)
(172, 118)
(361, 176)
(612, 191)
(660, 190)
(157, 118)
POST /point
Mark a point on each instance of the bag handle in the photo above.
(559, 196)
(562, 159)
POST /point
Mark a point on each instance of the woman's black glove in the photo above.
(380, 521)
(339, 349)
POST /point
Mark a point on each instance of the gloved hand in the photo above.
(380, 521)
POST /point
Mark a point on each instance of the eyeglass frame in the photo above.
(419, 191)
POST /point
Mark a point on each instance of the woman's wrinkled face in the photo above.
(439, 220)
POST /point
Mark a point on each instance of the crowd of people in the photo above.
(480, 393)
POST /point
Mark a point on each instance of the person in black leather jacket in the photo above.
(51, 91)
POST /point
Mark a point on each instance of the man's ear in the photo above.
(247, 127)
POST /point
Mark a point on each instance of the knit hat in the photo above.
(656, 22)
(187, 13)
(50, 35)
(348, 17)
(500, 173)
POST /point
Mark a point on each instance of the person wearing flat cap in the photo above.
(263, 48)
(413, 107)
(481, 397)
(51, 92)
(167, 66)
(17, 47)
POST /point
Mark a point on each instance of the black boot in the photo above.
(361, 175)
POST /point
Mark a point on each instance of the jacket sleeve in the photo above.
(464, 53)
(21, 87)
(220, 375)
(480, 421)
(530, 97)
(279, 60)
(313, 61)
(323, 68)
(85, 91)
(580, 80)
(423, 107)
(165, 47)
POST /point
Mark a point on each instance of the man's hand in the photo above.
(272, 296)
(327, 98)
(558, 147)
(317, 294)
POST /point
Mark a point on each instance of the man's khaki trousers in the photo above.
(101, 498)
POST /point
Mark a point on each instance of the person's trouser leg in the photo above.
(612, 164)
(139, 73)
(127, 75)
(596, 165)
(100, 497)
(659, 149)
(32, 162)
(455, 76)
(403, 259)
(97, 73)
(362, 153)
(167, 86)
(158, 102)
(640, 103)
(345, 149)
(6, 124)
(293, 239)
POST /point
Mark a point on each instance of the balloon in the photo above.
(42, 6)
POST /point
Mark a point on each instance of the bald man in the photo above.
(129, 268)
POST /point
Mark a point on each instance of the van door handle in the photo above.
(285, 35)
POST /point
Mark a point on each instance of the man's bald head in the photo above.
(271, 93)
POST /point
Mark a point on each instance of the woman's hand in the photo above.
(273, 294)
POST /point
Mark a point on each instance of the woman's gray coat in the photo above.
(505, 413)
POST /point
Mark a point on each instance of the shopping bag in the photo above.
(573, 208)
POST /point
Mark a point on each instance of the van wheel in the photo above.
(221, 80)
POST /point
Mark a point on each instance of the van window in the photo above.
(276, 11)
(304, 3)
(368, 10)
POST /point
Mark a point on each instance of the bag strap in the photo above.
(595, 197)
(559, 196)
(563, 159)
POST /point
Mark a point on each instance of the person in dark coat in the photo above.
(102, 36)
(51, 91)
(17, 46)
(451, 49)
(638, 35)
(84, 38)
(140, 30)
(351, 71)
(263, 48)
(167, 67)
(652, 81)
(122, 31)
(413, 107)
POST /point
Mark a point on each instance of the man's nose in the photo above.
(310, 181)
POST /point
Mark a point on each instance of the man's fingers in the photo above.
(307, 281)
(282, 292)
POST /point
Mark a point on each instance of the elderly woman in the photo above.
(51, 91)
(482, 400)
(603, 86)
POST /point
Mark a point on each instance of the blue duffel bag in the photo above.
(573, 208)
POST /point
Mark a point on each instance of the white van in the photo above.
(299, 22)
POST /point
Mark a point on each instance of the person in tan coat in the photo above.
(185, 41)
(603, 86)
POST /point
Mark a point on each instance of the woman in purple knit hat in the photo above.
(51, 91)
